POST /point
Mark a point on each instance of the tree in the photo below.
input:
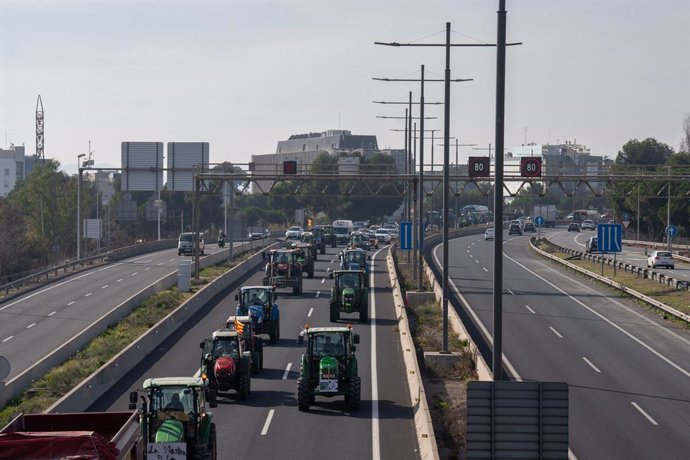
(648, 152)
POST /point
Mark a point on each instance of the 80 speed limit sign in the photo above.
(478, 166)
(530, 166)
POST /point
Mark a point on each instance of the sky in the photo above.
(244, 74)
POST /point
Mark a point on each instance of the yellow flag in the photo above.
(239, 327)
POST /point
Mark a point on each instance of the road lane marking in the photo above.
(103, 287)
(88, 294)
(268, 422)
(531, 311)
(30, 325)
(471, 256)
(51, 314)
(119, 280)
(476, 261)
(511, 292)
(318, 293)
(651, 420)
(159, 263)
(71, 303)
(147, 268)
(375, 435)
(556, 332)
(45, 290)
(485, 269)
(610, 322)
(591, 365)
(7, 339)
(323, 280)
(134, 274)
(287, 371)
(311, 310)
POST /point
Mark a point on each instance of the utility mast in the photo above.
(39, 130)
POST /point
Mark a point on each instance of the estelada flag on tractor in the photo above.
(239, 327)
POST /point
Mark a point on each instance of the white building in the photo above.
(12, 168)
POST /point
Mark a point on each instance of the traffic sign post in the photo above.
(671, 232)
(539, 221)
(405, 236)
(609, 239)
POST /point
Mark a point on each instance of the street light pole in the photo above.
(79, 157)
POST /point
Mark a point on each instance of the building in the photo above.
(12, 168)
(306, 148)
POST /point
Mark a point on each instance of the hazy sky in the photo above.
(243, 75)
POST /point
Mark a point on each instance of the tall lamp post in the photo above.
(79, 157)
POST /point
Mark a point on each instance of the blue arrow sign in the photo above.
(610, 237)
(626, 216)
(672, 231)
(405, 236)
(539, 220)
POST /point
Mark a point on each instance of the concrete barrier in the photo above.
(95, 386)
(426, 439)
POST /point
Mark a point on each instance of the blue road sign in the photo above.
(610, 237)
(626, 216)
(672, 231)
(405, 236)
(539, 220)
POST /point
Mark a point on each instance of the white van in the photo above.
(185, 243)
(342, 229)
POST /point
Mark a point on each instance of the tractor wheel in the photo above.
(316, 253)
(311, 271)
(278, 329)
(364, 312)
(255, 362)
(334, 313)
(299, 288)
(243, 386)
(323, 249)
(261, 356)
(353, 393)
(302, 395)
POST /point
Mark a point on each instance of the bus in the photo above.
(584, 214)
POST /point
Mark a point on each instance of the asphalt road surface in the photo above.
(628, 371)
(268, 424)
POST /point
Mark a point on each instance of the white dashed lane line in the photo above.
(531, 311)
(88, 294)
(7, 339)
(556, 332)
(71, 303)
(318, 293)
(134, 274)
(647, 416)
(311, 310)
(119, 280)
(30, 325)
(104, 287)
(511, 292)
(485, 269)
(268, 422)
(51, 314)
(147, 268)
(591, 365)
(287, 371)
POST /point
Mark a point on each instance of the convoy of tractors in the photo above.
(171, 413)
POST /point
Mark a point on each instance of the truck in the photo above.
(102, 435)
(547, 211)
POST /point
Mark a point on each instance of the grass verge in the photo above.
(60, 380)
(446, 392)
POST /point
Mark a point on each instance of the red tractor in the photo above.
(284, 269)
(252, 342)
(226, 363)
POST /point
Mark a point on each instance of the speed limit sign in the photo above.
(530, 166)
(478, 166)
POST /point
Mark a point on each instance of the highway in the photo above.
(268, 424)
(36, 323)
(628, 371)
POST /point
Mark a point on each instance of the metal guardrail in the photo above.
(642, 272)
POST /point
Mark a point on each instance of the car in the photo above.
(383, 235)
(573, 227)
(660, 259)
(591, 245)
(529, 227)
(293, 233)
(514, 229)
(588, 225)
(489, 234)
(185, 244)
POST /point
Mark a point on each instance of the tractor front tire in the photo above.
(302, 395)
(311, 271)
(354, 393)
(334, 313)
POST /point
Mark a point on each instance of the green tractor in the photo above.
(306, 256)
(329, 367)
(319, 239)
(349, 294)
(174, 417)
(329, 236)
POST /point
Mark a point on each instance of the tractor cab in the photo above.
(259, 302)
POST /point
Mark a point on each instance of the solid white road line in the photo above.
(30, 325)
(375, 434)
(556, 332)
(651, 420)
(287, 371)
(268, 422)
(531, 311)
(591, 365)
(7, 339)
(311, 310)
